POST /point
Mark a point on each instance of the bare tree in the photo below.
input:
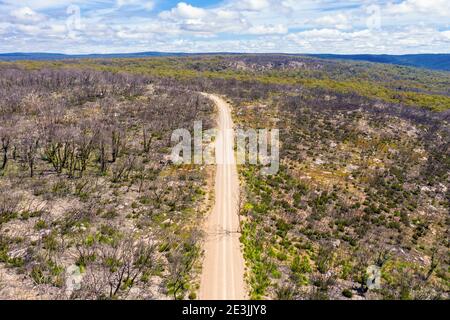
(147, 138)
(86, 146)
(116, 143)
(6, 141)
(102, 144)
(118, 268)
(122, 169)
(434, 263)
(30, 145)
(181, 262)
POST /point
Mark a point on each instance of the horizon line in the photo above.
(219, 52)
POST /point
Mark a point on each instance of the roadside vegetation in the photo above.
(361, 185)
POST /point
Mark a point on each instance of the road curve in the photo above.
(223, 266)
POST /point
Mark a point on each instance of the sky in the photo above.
(259, 26)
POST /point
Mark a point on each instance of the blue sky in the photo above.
(291, 26)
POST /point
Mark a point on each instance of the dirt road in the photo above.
(223, 267)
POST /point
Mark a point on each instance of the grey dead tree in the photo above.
(101, 144)
(29, 148)
(5, 144)
(122, 169)
(147, 136)
(181, 261)
(86, 142)
(117, 140)
(9, 205)
(117, 268)
(6, 137)
(143, 175)
(435, 257)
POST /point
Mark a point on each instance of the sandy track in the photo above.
(223, 266)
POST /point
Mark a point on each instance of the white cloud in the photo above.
(184, 11)
(339, 21)
(58, 28)
(252, 5)
(294, 26)
(366, 41)
(146, 4)
(228, 18)
(204, 21)
(438, 7)
(26, 14)
(446, 34)
(47, 4)
(30, 29)
(4, 27)
(268, 29)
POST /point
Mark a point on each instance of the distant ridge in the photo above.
(16, 56)
(427, 61)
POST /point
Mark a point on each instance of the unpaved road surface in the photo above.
(223, 267)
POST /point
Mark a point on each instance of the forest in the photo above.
(86, 183)
(91, 207)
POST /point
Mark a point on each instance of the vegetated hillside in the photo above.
(364, 177)
(360, 184)
(41, 56)
(390, 84)
(428, 61)
(86, 187)
(58, 56)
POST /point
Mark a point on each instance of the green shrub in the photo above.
(281, 256)
(192, 296)
(61, 188)
(110, 214)
(40, 225)
(347, 293)
(301, 265)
